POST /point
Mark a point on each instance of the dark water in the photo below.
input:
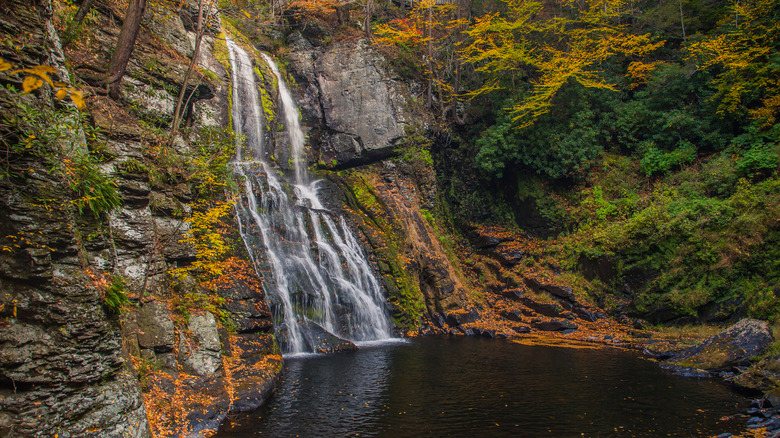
(466, 386)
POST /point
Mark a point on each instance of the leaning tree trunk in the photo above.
(124, 46)
(367, 21)
(84, 8)
(200, 31)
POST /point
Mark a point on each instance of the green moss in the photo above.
(270, 80)
(404, 294)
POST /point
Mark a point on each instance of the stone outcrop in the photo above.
(354, 108)
(69, 364)
(62, 370)
(410, 257)
(734, 346)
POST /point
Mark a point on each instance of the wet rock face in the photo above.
(201, 357)
(61, 367)
(350, 98)
(731, 347)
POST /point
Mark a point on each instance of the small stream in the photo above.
(471, 386)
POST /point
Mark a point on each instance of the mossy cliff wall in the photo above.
(115, 321)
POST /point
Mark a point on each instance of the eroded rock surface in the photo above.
(350, 101)
(734, 346)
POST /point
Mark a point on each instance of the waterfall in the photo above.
(317, 279)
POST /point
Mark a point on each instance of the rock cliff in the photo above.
(182, 353)
(355, 110)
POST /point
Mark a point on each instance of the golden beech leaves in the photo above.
(31, 83)
(746, 50)
(205, 235)
(549, 52)
(429, 32)
(37, 75)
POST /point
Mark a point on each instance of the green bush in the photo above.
(115, 295)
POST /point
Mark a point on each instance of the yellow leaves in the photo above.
(744, 51)
(639, 72)
(37, 75)
(551, 51)
(205, 235)
(77, 97)
(31, 83)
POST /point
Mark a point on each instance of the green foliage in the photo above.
(56, 137)
(185, 304)
(549, 147)
(656, 161)
(414, 149)
(115, 296)
(94, 191)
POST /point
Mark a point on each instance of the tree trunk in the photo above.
(430, 56)
(84, 8)
(682, 22)
(124, 46)
(367, 23)
(200, 31)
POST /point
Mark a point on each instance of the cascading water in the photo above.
(314, 271)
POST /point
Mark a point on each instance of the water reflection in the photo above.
(472, 386)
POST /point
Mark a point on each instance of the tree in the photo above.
(203, 7)
(431, 32)
(549, 49)
(124, 46)
(747, 50)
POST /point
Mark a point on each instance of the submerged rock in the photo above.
(316, 337)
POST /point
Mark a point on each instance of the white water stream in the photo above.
(314, 271)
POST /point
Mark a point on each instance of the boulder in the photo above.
(512, 315)
(155, 327)
(318, 339)
(521, 329)
(559, 291)
(546, 309)
(462, 316)
(200, 355)
(733, 346)
(512, 294)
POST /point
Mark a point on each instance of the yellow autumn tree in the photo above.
(35, 77)
(206, 235)
(430, 31)
(747, 52)
(550, 48)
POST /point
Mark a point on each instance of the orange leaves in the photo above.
(323, 9)
(36, 76)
